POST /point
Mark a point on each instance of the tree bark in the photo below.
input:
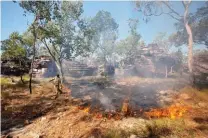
(57, 62)
(31, 69)
(171, 69)
(60, 70)
(166, 71)
(190, 37)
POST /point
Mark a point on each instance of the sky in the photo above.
(12, 18)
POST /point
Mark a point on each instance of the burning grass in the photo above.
(172, 112)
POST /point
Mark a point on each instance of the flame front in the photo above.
(172, 112)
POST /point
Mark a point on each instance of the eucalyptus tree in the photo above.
(12, 47)
(15, 54)
(105, 34)
(129, 48)
(58, 25)
(69, 36)
(199, 21)
(162, 40)
(158, 8)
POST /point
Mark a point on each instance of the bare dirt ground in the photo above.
(38, 115)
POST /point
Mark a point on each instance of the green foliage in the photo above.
(105, 35)
(128, 48)
(13, 47)
(60, 28)
(43, 10)
(26, 77)
(198, 22)
(200, 27)
(162, 41)
(103, 22)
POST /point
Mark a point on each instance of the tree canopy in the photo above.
(198, 22)
(13, 47)
(105, 34)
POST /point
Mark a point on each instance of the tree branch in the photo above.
(172, 10)
(186, 5)
(173, 17)
(162, 12)
(44, 42)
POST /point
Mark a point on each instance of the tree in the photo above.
(199, 21)
(105, 35)
(70, 34)
(180, 60)
(60, 29)
(157, 8)
(162, 41)
(13, 47)
(200, 28)
(128, 49)
(14, 54)
(42, 11)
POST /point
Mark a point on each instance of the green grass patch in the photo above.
(5, 81)
(26, 77)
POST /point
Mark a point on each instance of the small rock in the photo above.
(26, 122)
(165, 94)
(43, 118)
(35, 135)
(168, 99)
(61, 109)
(52, 117)
(87, 98)
(76, 100)
(202, 104)
(133, 136)
(161, 92)
(185, 96)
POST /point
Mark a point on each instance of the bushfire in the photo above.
(173, 111)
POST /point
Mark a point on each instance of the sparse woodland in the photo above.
(111, 87)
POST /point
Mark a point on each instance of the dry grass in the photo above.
(191, 125)
(157, 128)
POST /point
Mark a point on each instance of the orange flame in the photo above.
(173, 112)
(87, 109)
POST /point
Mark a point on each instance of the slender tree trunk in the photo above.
(190, 37)
(57, 62)
(190, 48)
(166, 71)
(22, 79)
(31, 69)
(60, 70)
(33, 58)
(171, 69)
